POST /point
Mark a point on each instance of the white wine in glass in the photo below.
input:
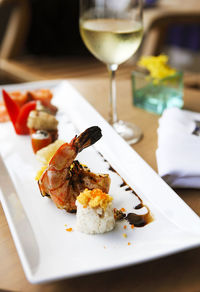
(112, 31)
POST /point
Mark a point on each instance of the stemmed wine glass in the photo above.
(112, 31)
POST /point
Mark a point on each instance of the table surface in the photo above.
(178, 272)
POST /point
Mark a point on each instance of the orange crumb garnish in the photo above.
(132, 226)
(125, 226)
(69, 229)
(94, 198)
(124, 235)
(129, 243)
(122, 209)
(98, 192)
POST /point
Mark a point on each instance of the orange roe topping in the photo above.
(123, 210)
(132, 226)
(125, 226)
(69, 229)
(94, 199)
(129, 243)
(97, 192)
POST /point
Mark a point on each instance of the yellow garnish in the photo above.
(94, 198)
(45, 154)
(157, 66)
(40, 172)
(124, 235)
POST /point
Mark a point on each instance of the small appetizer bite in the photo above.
(39, 120)
(40, 139)
(94, 212)
(45, 97)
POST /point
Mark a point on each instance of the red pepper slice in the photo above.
(18, 116)
(11, 106)
(21, 122)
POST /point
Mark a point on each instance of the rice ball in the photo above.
(94, 212)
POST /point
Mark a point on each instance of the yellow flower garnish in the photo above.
(157, 66)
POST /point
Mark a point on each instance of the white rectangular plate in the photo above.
(47, 251)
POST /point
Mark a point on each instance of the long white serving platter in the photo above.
(46, 250)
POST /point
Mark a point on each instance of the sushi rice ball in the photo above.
(94, 212)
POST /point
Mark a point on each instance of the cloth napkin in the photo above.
(178, 152)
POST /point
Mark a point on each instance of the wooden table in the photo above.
(178, 272)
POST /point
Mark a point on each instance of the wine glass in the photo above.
(112, 31)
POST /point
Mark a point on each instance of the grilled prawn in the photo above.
(64, 178)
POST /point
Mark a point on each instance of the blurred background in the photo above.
(40, 39)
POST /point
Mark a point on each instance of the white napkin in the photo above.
(178, 153)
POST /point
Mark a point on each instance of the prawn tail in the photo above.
(87, 138)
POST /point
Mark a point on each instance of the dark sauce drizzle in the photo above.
(123, 184)
(133, 218)
(140, 220)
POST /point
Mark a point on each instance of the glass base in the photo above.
(129, 132)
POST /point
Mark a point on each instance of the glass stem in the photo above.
(113, 97)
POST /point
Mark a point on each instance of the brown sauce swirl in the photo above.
(133, 218)
(139, 220)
